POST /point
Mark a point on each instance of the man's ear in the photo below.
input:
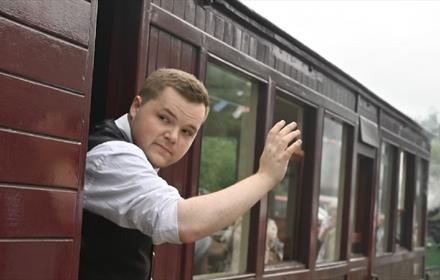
(135, 105)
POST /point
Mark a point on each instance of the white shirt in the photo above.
(122, 186)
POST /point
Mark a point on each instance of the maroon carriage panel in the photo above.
(36, 259)
(28, 159)
(64, 18)
(30, 212)
(43, 109)
(46, 65)
(41, 57)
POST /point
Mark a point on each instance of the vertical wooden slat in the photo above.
(152, 50)
(219, 27)
(253, 47)
(168, 4)
(164, 44)
(245, 43)
(200, 17)
(228, 33)
(190, 11)
(143, 43)
(209, 23)
(187, 57)
(179, 8)
(175, 52)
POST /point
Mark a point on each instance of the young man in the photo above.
(128, 207)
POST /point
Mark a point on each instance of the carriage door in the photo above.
(362, 213)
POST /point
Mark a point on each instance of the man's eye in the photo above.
(164, 119)
(187, 132)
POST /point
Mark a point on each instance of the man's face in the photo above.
(165, 127)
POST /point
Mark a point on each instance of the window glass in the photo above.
(227, 156)
(281, 237)
(331, 191)
(401, 198)
(419, 198)
(383, 202)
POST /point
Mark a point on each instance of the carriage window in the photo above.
(331, 191)
(227, 156)
(421, 181)
(400, 231)
(282, 230)
(383, 203)
(361, 199)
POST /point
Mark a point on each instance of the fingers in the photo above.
(280, 128)
(295, 134)
(295, 146)
(280, 137)
(276, 128)
(288, 128)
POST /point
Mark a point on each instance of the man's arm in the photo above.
(203, 215)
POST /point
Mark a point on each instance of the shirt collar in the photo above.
(123, 124)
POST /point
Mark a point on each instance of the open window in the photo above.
(361, 205)
(405, 200)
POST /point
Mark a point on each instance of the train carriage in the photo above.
(353, 202)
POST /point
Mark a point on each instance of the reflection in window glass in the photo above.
(281, 239)
(227, 156)
(383, 203)
(331, 191)
(418, 210)
(401, 198)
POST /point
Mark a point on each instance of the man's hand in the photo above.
(278, 150)
(203, 215)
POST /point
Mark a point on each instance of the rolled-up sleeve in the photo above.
(122, 186)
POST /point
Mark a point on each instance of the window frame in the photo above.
(260, 85)
(351, 128)
(392, 200)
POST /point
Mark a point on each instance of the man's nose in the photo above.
(172, 134)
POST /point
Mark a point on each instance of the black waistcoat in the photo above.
(109, 251)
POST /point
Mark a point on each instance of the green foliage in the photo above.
(432, 125)
(218, 163)
(432, 254)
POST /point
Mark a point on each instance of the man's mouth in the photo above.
(164, 148)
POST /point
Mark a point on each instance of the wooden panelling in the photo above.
(173, 52)
(390, 123)
(153, 43)
(179, 8)
(36, 260)
(188, 58)
(36, 212)
(65, 18)
(190, 11)
(368, 110)
(359, 274)
(163, 56)
(46, 67)
(200, 17)
(409, 134)
(26, 159)
(166, 50)
(41, 57)
(30, 106)
(402, 270)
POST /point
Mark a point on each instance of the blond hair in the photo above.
(187, 85)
